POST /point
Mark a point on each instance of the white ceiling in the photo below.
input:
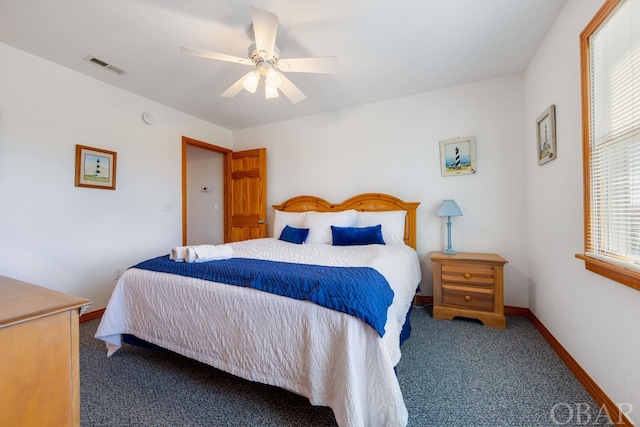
(386, 49)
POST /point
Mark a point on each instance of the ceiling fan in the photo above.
(264, 56)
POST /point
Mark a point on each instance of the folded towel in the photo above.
(179, 253)
(204, 253)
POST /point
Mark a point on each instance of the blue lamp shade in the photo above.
(449, 208)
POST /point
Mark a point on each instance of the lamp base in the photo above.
(449, 250)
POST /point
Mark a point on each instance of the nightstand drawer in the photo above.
(468, 274)
(468, 298)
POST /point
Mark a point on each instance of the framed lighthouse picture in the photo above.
(546, 135)
(95, 168)
(458, 156)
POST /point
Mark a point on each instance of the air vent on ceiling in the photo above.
(104, 64)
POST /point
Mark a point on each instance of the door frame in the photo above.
(186, 141)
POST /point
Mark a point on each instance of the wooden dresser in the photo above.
(469, 285)
(39, 356)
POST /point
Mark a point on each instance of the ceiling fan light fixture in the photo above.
(270, 92)
(264, 55)
(272, 78)
(251, 82)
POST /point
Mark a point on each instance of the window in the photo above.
(610, 54)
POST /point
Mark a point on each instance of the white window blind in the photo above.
(614, 216)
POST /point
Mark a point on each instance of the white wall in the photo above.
(69, 238)
(205, 223)
(393, 147)
(594, 318)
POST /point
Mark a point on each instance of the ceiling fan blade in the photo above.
(214, 55)
(322, 65)
(235, 88)
(290, 90)
(265, 27)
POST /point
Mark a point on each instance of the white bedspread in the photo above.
(332, 358)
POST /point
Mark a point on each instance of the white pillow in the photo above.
(282, 218)
(319, 224)
(392, 224)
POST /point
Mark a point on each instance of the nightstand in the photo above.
(469, 285)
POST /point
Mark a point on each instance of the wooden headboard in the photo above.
(369, 202)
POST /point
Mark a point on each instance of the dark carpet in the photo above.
(455, 373)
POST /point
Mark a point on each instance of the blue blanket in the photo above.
(359, 291)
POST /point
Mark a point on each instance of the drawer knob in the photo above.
(467, 298)
(467, 275)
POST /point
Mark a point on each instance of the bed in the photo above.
(339, 359)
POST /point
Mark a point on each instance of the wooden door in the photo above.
(247, 207)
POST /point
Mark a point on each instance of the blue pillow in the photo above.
(348, 236)
(294, 235)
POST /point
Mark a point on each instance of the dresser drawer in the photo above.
(468, 274)
(467, 297)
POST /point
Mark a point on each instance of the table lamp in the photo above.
(449, 208)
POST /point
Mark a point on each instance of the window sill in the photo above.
(614, 272)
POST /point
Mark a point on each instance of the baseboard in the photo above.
(617, 417)
(423, 300)
(516, 311)
(92, 315)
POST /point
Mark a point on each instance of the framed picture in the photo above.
(95, 168)
(546, 135)
(458, 156)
